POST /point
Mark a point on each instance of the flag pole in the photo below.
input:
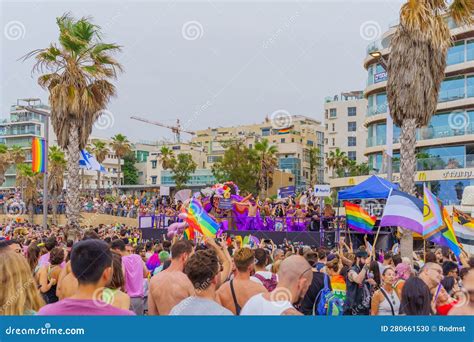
(375, 242)
(424, 250)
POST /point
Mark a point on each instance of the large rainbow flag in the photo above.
(358, 219)
(38, 154)
(199, 220)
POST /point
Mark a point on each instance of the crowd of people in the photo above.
(111, 270)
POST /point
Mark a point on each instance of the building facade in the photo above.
(20, 129)
(344, 125)
(293, 139)
(445, 147)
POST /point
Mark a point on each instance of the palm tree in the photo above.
(314, 154)
(121, 146)
(100, 151)
(337, 161)
(267, 159)
(56, 167)
(416, 69)
(17, 155)
(5, 162)
(29, 181)
(78, 70)
(167, 158)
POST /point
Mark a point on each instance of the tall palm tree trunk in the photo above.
(54, 203)
(119, 180)
(98, 182)
(407, 176)
(73, 203)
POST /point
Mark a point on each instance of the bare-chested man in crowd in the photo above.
(235, 293)
(171, 286)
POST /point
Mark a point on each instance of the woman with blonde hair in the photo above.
(19, 295)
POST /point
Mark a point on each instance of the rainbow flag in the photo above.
(433, 222)
(38, 153)
(358, 219)
(437, 223)
(199, 220)
(189, 233)
(284, 130)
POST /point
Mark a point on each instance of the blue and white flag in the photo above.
(403, 210)
(87, 161)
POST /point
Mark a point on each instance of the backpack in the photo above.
(320, 303)
(327, 303)
(269, 284)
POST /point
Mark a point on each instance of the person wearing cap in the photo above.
(358, 293)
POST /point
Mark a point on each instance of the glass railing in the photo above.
(379, 109)
(445, 162)
(455, 58)
(376, 141)
(454, 130)
(19, 132)
(452, 94)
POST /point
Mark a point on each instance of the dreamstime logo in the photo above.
(105, 120)
(281, 119)
(281, 296)
(370, 30)
(192, 30)
(15, 210)
(458, 120)
(463, 298)
(101, 297)
(14, 30)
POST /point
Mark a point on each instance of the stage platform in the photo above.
(308, 238)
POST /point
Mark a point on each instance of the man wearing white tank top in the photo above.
(294, 278)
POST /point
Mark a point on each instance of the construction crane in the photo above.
(175, 129)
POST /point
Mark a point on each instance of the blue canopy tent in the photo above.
(372, 188)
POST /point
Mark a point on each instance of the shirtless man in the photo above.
(67, 283)
(170, 287)
(234, 294)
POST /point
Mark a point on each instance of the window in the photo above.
(213, 159)
(250, 145)
(351, 141)
(326, 113)
(292, 139)
(452, 89)
(333, 112)
(351, 111)
(309, 143)
(327, 127)
(326, 141)
(153, 164)
(282, 140)
(333, 142)
(153, 179)
(265, 132)
(351, 126)
(333, 127)
(352, 155)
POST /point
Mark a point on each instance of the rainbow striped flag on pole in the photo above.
(358, 219)
(38, 154)
(437, 223)
(199, 220)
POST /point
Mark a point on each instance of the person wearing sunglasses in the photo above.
(385, 301)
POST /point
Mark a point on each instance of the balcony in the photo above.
(378, 109)
(440, 163)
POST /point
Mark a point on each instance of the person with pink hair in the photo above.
(402, 273)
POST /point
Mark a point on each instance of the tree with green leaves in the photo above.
(57, 165)
(267, 162)
(5, 162)
(77, 74)
(240, 165)
(183, 167)
(29, 181)
(121, 146)
(167, 158)
(416, 68)
(314, 162)
(337, 161)
(100, 151)
(130, 172)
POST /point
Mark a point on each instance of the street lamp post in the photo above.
(389, 132)
(46, 116)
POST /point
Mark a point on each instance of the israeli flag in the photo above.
(87, 161)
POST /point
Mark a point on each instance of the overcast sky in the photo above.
(209, 63)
